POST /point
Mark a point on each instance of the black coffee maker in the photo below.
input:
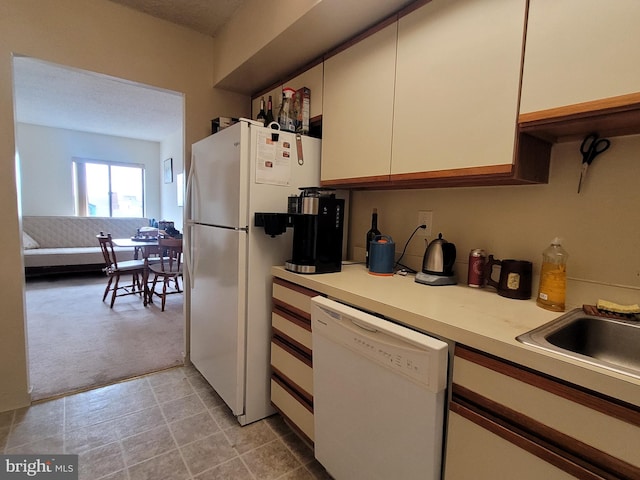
(317, 217)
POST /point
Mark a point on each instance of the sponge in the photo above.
(607, 306)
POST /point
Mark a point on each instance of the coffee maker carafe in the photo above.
(318, 221)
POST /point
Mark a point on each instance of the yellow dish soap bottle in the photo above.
(553, 277)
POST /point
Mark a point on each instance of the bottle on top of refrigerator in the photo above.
(262, 115)
(371, 234)
(269, 118)
(553, 277)
(285, 115)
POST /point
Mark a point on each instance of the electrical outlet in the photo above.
(425, 218)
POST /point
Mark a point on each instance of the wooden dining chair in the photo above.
(114, 269)
(169, 268)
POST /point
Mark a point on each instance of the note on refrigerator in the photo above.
(273, 159)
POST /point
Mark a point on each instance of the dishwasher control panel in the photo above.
(419, 357)
(408, 360)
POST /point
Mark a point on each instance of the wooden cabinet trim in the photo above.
(578, 453)
(293, 389)
(613, 116)
(534, 158)
(295, 287)
(505, 169)
(292, 347)
(357, 182)
(629, 101)
(532, 168)
(588, 398)
(526, 442)
(292, 314)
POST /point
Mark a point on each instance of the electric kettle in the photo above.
(439, 257)
(437, 265)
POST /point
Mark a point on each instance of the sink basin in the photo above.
(608, 343)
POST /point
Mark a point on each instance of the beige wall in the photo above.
(103, 37)
(256, 24)
(600, 226)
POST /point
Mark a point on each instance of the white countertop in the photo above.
(475, 317)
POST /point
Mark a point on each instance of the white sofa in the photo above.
(59, 243)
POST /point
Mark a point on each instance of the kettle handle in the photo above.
(449, 252)
(488, 270)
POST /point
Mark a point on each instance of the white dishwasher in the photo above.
(379, 396)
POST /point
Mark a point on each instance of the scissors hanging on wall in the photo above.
(591, 147)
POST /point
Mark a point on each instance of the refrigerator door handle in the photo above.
(188, 253)
(190, 189)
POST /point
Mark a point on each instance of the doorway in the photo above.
(64, 113)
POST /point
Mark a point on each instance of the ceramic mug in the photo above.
(515, 277)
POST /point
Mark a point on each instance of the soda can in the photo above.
(477, 261)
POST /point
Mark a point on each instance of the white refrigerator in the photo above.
(234, 173)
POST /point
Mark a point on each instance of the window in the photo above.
(108, 189)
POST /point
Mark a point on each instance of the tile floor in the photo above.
(169, 425)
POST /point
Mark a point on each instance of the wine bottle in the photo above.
(371, 234)
(262, 115)
(269, 117)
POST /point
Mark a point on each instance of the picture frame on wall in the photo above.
(168, 170)
(180, 189)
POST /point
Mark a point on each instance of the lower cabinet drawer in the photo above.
(294, 369)
(292, 408)
(476, 453)
(580, 432)
(586, 418)
(292, 327)
(296, 298)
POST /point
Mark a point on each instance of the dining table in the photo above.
(145, 246)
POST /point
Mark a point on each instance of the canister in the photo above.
(381, 255)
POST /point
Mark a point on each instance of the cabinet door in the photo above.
(475, 452)
(579, 432)
(458, 76)
(586, 419)
(578, 51)
(357, 112)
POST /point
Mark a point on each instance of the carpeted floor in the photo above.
(76, 341)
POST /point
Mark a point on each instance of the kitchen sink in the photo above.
(608, 343)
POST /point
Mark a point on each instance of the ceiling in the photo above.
(56, 96)
(204, 16)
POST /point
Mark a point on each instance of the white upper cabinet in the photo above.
(579, 51)
(357, 111)
(457, 86)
